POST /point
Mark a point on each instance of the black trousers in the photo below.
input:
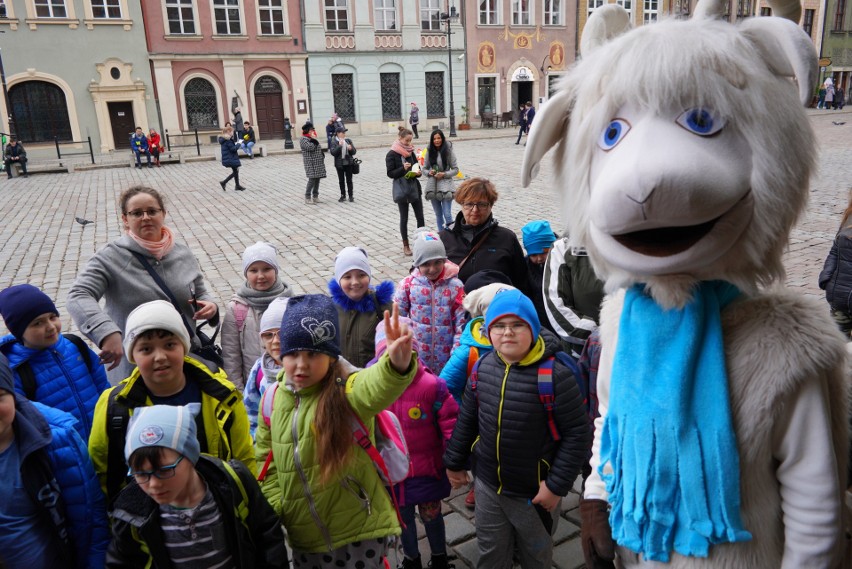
(9, 163)
(344, 178)
(414, 130)
(403, 216)
(235, 174)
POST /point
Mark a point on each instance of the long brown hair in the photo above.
(847, 213)
(333, 432)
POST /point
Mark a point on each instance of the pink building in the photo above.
(209, 57)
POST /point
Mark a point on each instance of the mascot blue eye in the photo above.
(613, 133)
(701, 122)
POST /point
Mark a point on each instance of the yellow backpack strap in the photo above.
(241, 509)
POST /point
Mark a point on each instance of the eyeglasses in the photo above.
(269, 336)
(140, 213)
(477, 205)
(501, 328)
(162, 473)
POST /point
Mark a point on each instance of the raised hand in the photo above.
(399, 338)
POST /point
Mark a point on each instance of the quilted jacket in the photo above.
(455, 370)
(230, 158)
(836, 275)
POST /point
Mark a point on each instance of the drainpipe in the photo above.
(307, 63)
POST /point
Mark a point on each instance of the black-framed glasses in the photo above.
(140, 213)
(478, 205)
(162, 473)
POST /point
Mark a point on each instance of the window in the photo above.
(50, 9)
(839, 16)
(337, 16)
(391, 100)
(726, 14)
(430, 15)
(488, 12)
(808, 22)
(627, 5)
(650, 11)
(39, 112)
(765, 11)
(744, 9)
(272, 17)
(384, 14)
(592, 4)
(106, 9)
(552, 12)
(552, 81)
(435, 94)
(681, 8)
(180, 16)
(487, 89)
(521, 12)
(227, 15)
(344, 95)
(201, 108)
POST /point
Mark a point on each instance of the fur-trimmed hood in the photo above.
(384, 294)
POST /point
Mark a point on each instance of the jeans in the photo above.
(139, 153)
(247, 147)
(344, 175)
(433, 521)
(521, 132)
(403, 217)
(443, 212)
(313, 186)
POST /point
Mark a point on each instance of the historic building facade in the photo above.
(836, 52)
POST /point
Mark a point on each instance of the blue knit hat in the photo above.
(537, 236)
(310, 324)
(21, 304)
(168, 426)
(513, 303)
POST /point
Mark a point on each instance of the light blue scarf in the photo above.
(668, 433)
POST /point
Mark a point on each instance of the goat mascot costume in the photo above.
(723, 435)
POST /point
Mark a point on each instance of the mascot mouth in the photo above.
(665, 241)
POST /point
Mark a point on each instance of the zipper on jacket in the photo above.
(73, 385)
(351, 485)
(500, 426)
(307, 488)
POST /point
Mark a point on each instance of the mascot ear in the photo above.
(550, 127)
(605, 23)
(786, 49)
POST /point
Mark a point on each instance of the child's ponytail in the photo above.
(333, 431)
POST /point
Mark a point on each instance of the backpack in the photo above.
(25, 370)
(545, 385)
(240, 313)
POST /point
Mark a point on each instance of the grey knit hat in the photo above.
(428, 247)
(351, 258)
(260, 251)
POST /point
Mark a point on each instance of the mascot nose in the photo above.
(640, 198)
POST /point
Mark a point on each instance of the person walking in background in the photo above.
(155, 145)
(248, 139)
(530, 115)
(414, 118)
(139, 146)
(400, 163)
(15, 154)
(343, 150)
(230, 159)
(330, 129)
(314, 161)
(839, 98)
(522, 122)
(440, 167)
(829, 94)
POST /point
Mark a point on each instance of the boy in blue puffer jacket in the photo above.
(55, 370)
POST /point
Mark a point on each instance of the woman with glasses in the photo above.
(118, 274)
(475, 241)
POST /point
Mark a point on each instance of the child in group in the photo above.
(187, 509)
(360, 307)
(58, 370)
(538, 241)
(265, 370)
(432, 297)
(527, 455)
(157, 342)
(241, 345)
(52, 512)
(326, 489)
(427, 414)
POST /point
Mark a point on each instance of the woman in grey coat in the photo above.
(440, 167)
(115, 274)
(314, 161)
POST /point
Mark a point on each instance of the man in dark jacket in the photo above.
(15, 154)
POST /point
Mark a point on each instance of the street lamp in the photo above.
(6, 93)
(448, 17)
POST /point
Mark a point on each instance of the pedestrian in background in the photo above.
(400, 163)
(314, 161)
(139, 146)
(440, 167)
(238, 120)
(230, 159)
(330, 129)
(836, 276)
(248, 139)
(343, 151)
(15, 154)
(522, 122)
(155, 145)
(414, 118)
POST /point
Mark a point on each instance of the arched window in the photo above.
(39, 112)
(201, 108)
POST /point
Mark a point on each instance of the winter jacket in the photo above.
(358, 320)
(248, 135)
(230, 158)
(501, 251)
(455, 372)
(16, 151)
(139, 144)
(53, 455)
(263, 373)
(836, 276)
(427, 414)
(325, 517)
(336, 150)
(443, 189)
(252, 529)
(154, 143)
(394, 166)
(313, 157)
(115, 275)
(61, 377)
(436, 310)
(507, 426)
(223, 423)
(790, 412)
(414, 116)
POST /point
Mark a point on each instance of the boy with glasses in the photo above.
(523, 410)
(185, 509)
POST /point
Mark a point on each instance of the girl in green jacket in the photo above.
(325, 488)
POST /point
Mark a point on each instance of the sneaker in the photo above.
(316, 200)
(470, 500)
(150, 165)
(342, 199)
(351, 199)
(308, 201)
(223, 186)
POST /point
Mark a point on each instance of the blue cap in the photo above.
(512, 302)
(537, 236)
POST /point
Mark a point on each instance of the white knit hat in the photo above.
(260, 251)
(154, 315)
(476, 302)
(351, 258)
(271, 319)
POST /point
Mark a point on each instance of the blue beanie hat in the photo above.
(513, 302)
(169, 426)
(310, 324)
(21, 304)
(537, 236)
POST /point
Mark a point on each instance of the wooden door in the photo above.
(122, 122)
(269, 107)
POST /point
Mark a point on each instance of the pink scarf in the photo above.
(158, 249)
(401, 149)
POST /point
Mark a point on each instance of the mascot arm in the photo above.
(595, 487)
(808, 477)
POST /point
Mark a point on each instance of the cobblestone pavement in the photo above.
(43, 245)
